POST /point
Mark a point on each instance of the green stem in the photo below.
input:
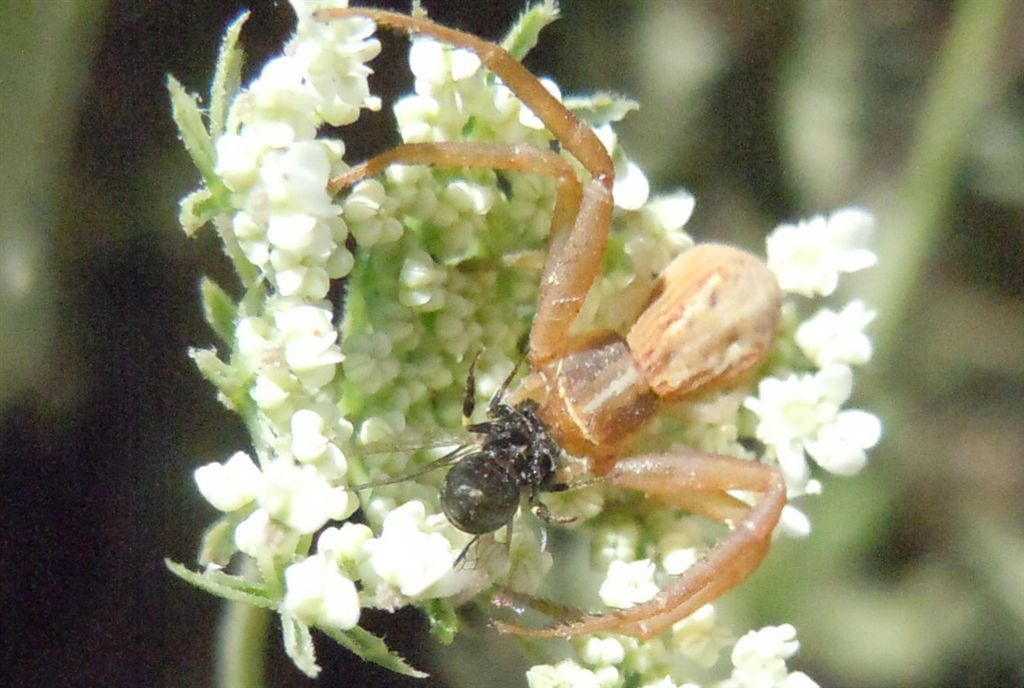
(961, 86)
(241, 646)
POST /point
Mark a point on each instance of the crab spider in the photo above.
(709, 324)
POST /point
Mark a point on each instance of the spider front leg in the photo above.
(581, 219)
(698, 483)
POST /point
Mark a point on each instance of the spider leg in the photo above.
(449, 458)
(543, 512)
(474, 154)
(699, 482)
(579, 229)
(469, 399)
(499, 394)
(574, 135)
(465, 551)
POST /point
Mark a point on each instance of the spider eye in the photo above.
(479, 495)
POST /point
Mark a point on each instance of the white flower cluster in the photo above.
(446, 266)
(270, 159)
(807, 257)
(758, 659)
(314, 394)
(800, 411)
(289, 228)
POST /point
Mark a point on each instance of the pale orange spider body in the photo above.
(709, 324)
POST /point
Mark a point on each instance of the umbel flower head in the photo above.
(438, 265)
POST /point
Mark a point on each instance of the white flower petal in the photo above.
(308, 440)
(851, 228)
(238, 160)
(794, 522)
(260, 536)
(674, 210)
(794, 465)
(231, 485)
(835, 383)
(631, 187)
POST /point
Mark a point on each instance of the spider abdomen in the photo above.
(710, 323)
(480, 495)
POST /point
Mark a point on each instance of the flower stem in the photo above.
(241, 642)
(961, 86)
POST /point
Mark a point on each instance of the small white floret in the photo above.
(807, 257)
(308, 440)
(310, 343)
(260, 536)
(345, 542)
(602, 651)
(427, 60)
(628, 584)
(300, 497)
(675, 561)
(793, 522)
(283, 105)
(830, 337)
(295, 179)
(238, 160)
(700, 637)
(317, 593)
(422, 282)
(840, 445)
(759, 660)
(565, 674)
(802, 413)
(296, 233)
(332, 55)
(674, 210)
(407, 557)
(230, 485)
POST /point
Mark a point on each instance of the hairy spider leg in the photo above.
(469, 399)
(451, 457)
(699, 483)
(580, 222)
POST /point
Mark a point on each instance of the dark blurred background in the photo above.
(767, 111)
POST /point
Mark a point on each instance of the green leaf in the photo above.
(601, 108)
(234, 588)
(219, 309)
(196, 210)
(373, 649)
(298, 644)
(218, 543)
(221, 375)
(187, 115)
(444, 622)
(227, 79)
(523, 36)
